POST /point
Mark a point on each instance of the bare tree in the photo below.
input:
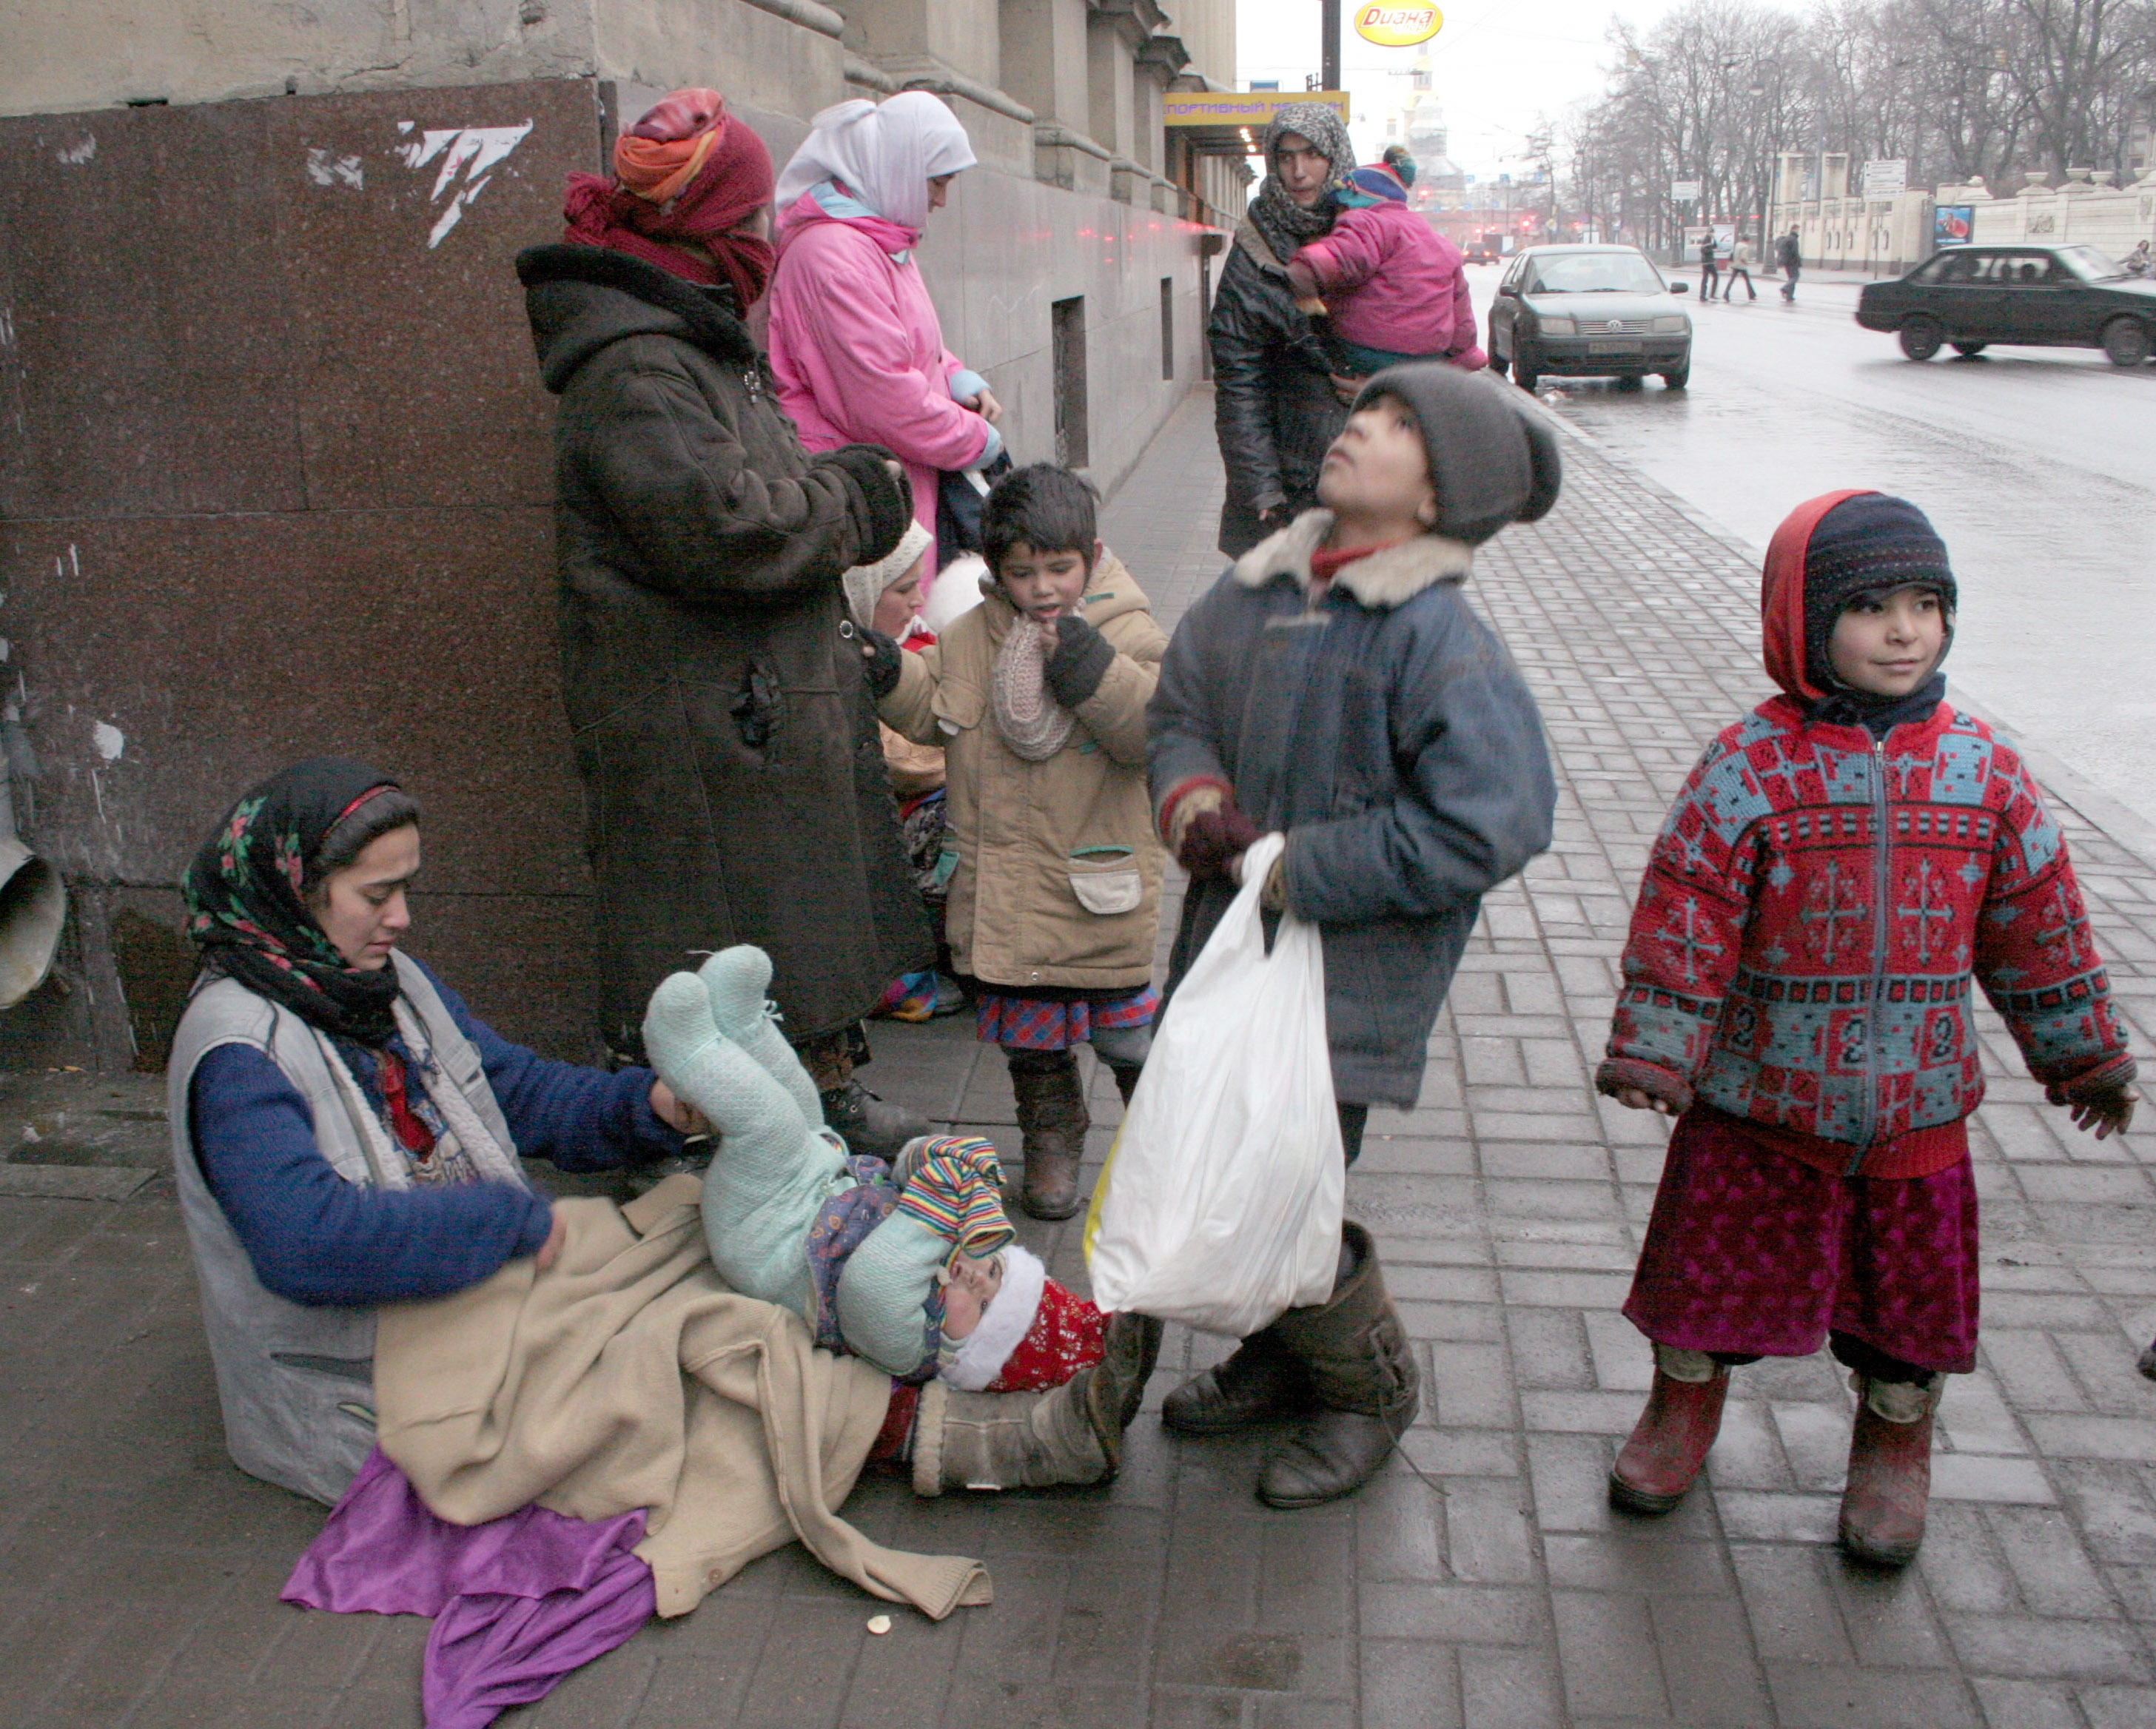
(1716, 90)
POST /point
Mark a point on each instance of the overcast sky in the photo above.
(1496, 65)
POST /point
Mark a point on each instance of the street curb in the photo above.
(2126, 829)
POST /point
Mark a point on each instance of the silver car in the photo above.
(1588, 312)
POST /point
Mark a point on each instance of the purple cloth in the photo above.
(1752, 1251)
(517, 1603)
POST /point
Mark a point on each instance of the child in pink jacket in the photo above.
(1393, 285)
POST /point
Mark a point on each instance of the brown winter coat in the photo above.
(1059, 871)
(734, 784)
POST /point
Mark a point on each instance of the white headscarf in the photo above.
(886, 153)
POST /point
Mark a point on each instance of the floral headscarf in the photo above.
(247, 901)
(687, 171)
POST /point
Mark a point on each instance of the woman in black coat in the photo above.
(734, 784)
(1275, 406)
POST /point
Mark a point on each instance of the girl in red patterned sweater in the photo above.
(1842, 865)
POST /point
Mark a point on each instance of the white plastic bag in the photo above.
(1220, 1205)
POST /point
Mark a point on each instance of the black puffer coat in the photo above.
(1273, 405)
(734, 784)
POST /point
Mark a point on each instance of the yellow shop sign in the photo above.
(1397, 26)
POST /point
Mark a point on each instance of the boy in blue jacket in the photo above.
(1336, 686)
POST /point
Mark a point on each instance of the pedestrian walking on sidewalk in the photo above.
(1275, 406)
(1741, 257)
(1038, 697)
(1335, 686)
(1710, 271)
(1842, 865)
(733, 785)
(1791, 261)
(853, 337)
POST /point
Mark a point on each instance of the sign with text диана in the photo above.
(1397, 26)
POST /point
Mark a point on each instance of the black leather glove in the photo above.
(880, 663)
(889, 496)
(1081, 661)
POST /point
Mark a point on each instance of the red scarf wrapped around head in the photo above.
(684, 171)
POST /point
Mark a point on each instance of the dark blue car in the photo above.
(2051, 296)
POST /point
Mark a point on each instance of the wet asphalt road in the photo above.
(2038, 466)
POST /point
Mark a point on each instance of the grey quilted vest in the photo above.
(296, 1382)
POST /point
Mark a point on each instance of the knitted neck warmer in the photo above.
(1032, 722)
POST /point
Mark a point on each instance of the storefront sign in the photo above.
(1242, 108)
(1397, 26)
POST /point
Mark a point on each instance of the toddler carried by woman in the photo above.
(1394, 287)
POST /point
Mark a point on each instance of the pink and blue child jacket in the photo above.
(1394, 284)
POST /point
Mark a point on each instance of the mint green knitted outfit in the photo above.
(776, 1166)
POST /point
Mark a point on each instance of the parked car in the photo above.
(1588, 312)
(2052, 296)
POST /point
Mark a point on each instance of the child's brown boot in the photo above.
(1890, 1470)
(1051, 1112)
(1009, 1440)
(1670, 1442)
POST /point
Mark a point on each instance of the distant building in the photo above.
(1441, 184)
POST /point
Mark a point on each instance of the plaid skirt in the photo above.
(1036, 1023)
(1750, 1250)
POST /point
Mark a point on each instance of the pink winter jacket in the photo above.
(1393, 282)
(859, 352)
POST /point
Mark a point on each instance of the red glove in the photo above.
(1213, 839)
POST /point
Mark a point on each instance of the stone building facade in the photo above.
(275, 465)
(1839, 228)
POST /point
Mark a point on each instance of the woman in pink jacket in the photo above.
(853, 338)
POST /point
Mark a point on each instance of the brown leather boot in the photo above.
(1260, 1383)
(1051, 1111)
(1362, 1371)
(1117, 1385)
(1890, 1471)
(1669, 1444)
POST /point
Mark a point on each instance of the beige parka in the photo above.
(1058, 881)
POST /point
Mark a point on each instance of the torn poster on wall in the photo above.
(468, 157)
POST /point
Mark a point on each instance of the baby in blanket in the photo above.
(913, 1267)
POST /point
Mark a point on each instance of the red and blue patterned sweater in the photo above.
(1812, 913)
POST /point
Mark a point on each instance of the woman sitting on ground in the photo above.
(345, 1132)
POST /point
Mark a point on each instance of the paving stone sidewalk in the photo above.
(1486, 1584)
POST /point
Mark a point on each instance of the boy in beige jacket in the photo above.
(1038, 696)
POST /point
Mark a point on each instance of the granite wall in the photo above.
(274, 480)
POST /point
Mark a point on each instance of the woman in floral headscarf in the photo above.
(1276, 407)
(346, 1132)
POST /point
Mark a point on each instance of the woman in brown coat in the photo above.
(734, 787)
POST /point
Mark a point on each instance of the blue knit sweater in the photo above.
(315, 1238)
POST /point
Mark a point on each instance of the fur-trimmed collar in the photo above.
(708, 313)
(1389, 578)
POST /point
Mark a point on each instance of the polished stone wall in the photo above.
(274, 480)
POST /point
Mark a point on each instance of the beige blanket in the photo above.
(627, 1375)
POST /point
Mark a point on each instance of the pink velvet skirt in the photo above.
(1752, 1251)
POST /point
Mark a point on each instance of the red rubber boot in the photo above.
(1890, 1474)
(1669, 1445)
